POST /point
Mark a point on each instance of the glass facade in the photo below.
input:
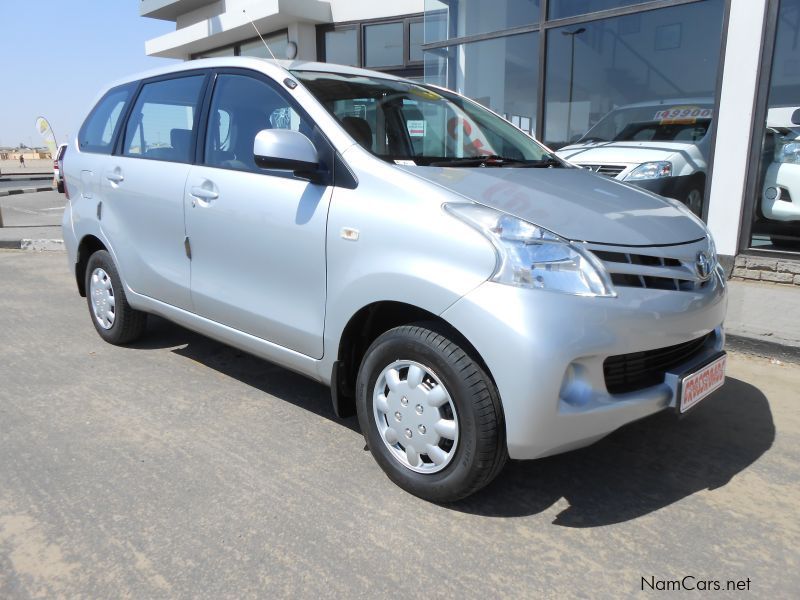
(776, 214)
(661, 57)
(630, 95)
(383, 45)
(277, 44)
(341, 46)
(445, 19)
(393, 45)
(559, 9)
(501, 73)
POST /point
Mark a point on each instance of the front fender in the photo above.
(408, 249)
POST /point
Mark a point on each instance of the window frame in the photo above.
(132, 88)
(119, 144)
(409, 68)
(237, 47)
(752, 195)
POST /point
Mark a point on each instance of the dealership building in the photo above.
(618, 81)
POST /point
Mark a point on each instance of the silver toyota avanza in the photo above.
(469, 295)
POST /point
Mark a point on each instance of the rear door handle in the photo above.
(204, 193)
(115, 176)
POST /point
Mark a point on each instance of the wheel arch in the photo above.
(88, 245)
(364, 327)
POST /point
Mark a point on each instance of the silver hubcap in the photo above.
(416, 417)
(102, 294)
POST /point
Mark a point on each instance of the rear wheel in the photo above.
(430, 414)
(112, 316)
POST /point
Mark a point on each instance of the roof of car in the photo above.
(259, 64)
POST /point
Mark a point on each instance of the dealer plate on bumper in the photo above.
(699, 384)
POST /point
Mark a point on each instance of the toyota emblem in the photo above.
(703, 266)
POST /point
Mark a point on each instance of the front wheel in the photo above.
(430, 414)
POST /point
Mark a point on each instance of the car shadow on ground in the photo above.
(250, 370)
(636, 470)
(641, 467)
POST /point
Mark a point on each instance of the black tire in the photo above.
(694, 200)
(129, 324)
(785, 243)
(60, 187)
(480, 452)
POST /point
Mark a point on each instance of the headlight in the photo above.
(650, 170)
(533, 257)
(788, 153)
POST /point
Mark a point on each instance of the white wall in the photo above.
(222, 22)
(735, 122)
(358, 10)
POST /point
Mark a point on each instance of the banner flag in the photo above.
(44, 129)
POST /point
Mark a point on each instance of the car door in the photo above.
(257, 236)
(144, 187)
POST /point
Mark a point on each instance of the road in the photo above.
(38, 209)
(182, 468)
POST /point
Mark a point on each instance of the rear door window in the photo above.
(100, 128)
(162, 123)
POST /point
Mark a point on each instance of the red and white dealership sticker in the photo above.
(701, 383)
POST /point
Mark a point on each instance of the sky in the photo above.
(57, 56)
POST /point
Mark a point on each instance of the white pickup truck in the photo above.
(660, 146)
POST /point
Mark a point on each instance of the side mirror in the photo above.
(286, 150)
(796, 117)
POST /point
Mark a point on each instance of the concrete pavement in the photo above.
(32, 221)
(32, 167)
(181, 468)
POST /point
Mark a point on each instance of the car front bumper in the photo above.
(784, 181)
(546, 350)
(677, 186)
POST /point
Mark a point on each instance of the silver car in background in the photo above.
(470, 296)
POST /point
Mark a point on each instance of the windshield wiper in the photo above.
(493, 160)
(547, 162)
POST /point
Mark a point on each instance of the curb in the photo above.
(33, 245)
(28, 190)
(36, 177)
(763, 348)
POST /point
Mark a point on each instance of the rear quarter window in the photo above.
(100, 128)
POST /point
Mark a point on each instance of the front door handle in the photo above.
(204, 193)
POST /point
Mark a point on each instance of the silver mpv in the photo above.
(468, 294)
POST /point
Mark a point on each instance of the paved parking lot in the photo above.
(38, 209)
(182, 468)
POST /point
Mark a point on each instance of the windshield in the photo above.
(407, 123)
(659, 123)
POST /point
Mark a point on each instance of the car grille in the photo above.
(610, 170)
(662, 268)
(631, 372)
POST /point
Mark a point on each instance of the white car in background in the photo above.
(780, 197)
(660, 146)
(58, 172)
